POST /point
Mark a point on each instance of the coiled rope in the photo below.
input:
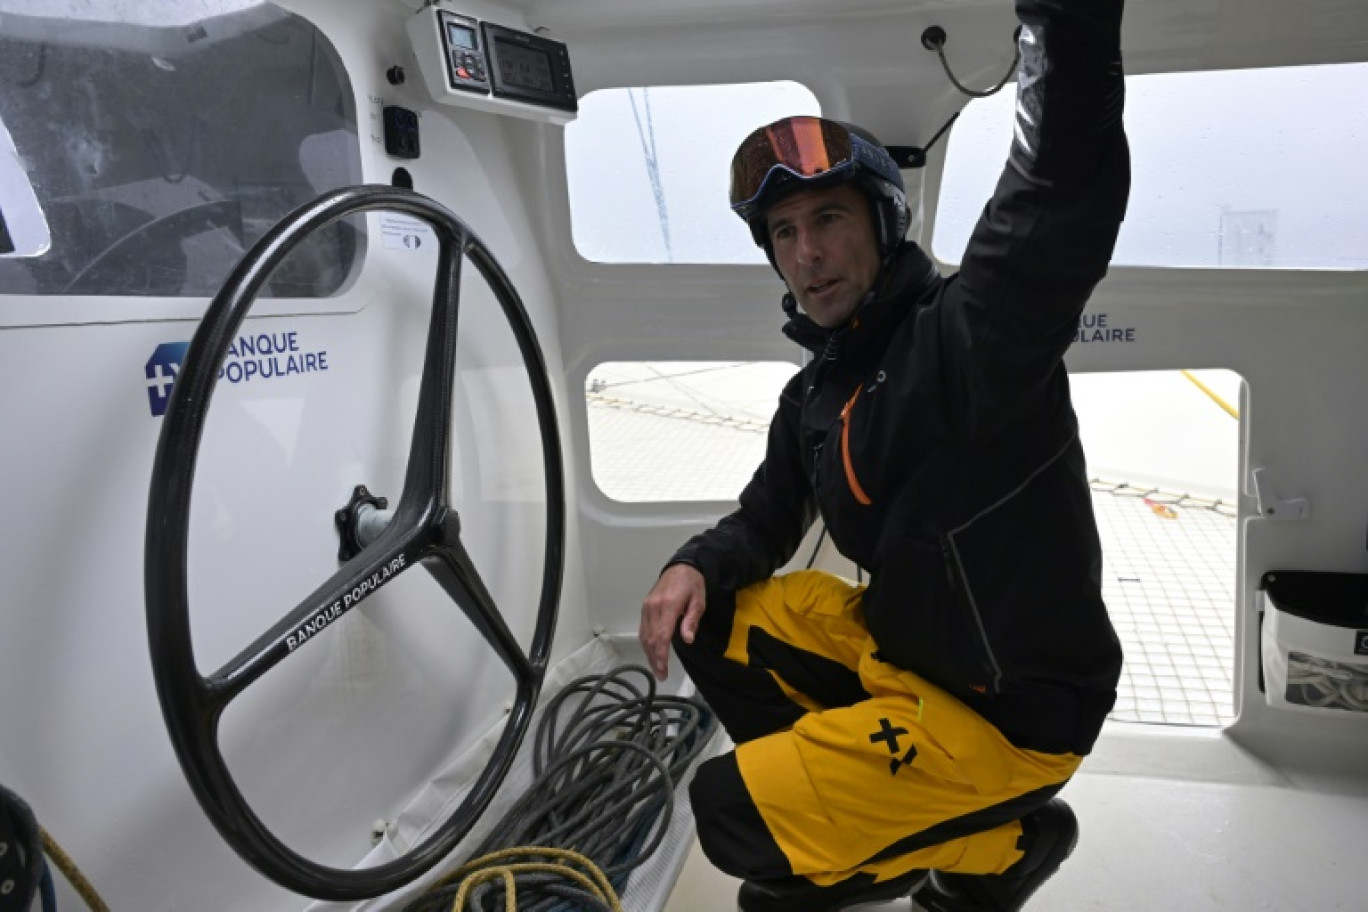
(21, 856)
(557, 863)
(1316, 681)
(21, 834)
(607, 756)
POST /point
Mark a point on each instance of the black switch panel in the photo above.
(401, 132)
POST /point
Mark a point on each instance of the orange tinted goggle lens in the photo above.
(806, 146)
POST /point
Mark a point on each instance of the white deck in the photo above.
(1237, 837)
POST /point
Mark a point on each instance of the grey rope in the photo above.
(607, 755)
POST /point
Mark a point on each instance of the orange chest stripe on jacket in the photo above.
(851, 480)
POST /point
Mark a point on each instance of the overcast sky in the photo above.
(1273, 158)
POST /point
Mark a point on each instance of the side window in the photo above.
(680, 430)
(1163, 463)
(142, 152)
(1245, 169)
(648, 170)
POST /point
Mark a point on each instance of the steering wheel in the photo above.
(423, 528)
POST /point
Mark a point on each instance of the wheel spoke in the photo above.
(352, 584)
(455, 572)
(425, 482)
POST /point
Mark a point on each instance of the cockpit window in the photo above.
(1249, 169)
(676, 431)
(648, 168)
(152, 146)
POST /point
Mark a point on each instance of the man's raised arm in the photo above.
(1047, 236)
(1070, 90)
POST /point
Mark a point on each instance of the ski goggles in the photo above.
(804, 148)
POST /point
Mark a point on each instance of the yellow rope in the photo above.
(483, 869)
(72, 873)
(1230, 410)
(472, 874)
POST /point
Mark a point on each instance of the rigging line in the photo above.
(648, 152)
(1214, 396)
(821, 539)
(1125, 489)
(665, 411)
(685, 390)
(47, 891)
(747, 415)
(688, 373)
(83, 887)
(941, 132)
(563, 863)
(607, 756)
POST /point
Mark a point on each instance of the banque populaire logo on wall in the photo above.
(252, 358)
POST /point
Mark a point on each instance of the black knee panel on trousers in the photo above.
(746, 700)
(731, 831)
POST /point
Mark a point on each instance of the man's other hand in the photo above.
(679, 593)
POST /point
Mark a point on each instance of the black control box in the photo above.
(531, 68)
(465, 54)
(401, 132)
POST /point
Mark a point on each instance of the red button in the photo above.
(461, 71)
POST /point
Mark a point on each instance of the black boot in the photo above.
(1048, 837)
(798, 894)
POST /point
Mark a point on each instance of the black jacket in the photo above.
(935, 434)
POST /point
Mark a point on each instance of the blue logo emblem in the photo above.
(253, 358)
(161, 372)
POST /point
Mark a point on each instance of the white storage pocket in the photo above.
(1315, 641)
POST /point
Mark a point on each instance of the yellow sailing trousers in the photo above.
(844, 764)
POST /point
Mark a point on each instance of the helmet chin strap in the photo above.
(808, 333)
(801, 328)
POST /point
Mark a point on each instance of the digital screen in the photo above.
(460, 36)
(525, 68)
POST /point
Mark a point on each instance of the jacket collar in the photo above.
(901, 284)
